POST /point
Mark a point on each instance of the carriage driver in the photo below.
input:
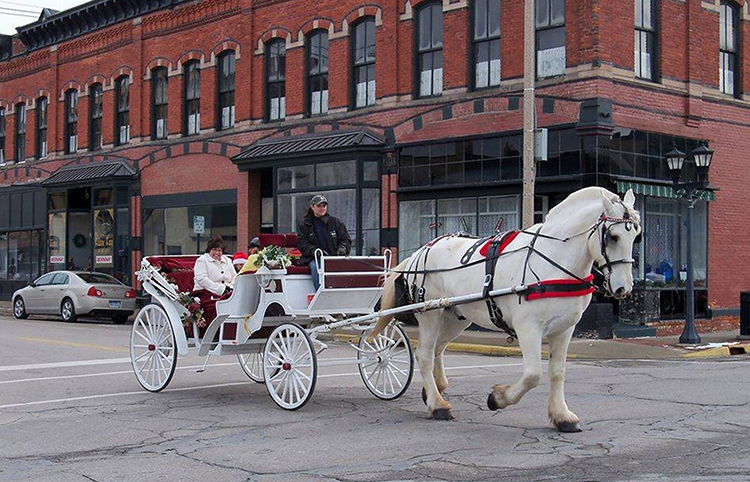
(318, 229)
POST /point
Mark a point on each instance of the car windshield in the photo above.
(98, 278)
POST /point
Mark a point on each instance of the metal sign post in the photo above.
(199, 225)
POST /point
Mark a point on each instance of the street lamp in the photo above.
(675, 160)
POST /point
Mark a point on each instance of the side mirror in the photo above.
(32, 284)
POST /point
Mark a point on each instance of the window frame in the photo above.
(474, 43)
(734, 54)
(271, 85)
(225, 94)
(354, 65)
(71, 120)
(122, 110)
(40, 142)
(156, 107)
(19, 150)
(310, 78)
(432, 50)
(652, 33)
(191, 68)
(96, 97)
(3, 126)
(549, 27)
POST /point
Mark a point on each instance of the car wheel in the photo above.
(68, 310)
(19, 309)
(120, 320)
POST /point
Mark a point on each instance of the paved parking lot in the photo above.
(71, 410)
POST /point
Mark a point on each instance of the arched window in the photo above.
(729, 48)
(2, 136)
(317, 73)
(550, 38)
(645, 39)
(192, 99)
(276, 80)
(486, 43)
(122, 114)
(429, 40)
(95, 117)
(226, 90)
(363, 63)
(20, 132)
(41, 127)
(71, 121)
(159, 85)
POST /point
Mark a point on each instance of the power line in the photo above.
(10, 14)
(16, 4)
(17, 10)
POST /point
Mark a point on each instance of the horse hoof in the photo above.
(424, 396)
(568, 427)
(491, 403)
(442, 414)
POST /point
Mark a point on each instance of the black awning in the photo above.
(308, 145)
(90, 172)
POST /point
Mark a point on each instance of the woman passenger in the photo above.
(214, 275)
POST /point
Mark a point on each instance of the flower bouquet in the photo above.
(273, 257)
(195, 311)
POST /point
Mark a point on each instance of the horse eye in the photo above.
(613, 238)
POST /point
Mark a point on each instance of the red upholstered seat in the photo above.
(177, 269)
(268, 239)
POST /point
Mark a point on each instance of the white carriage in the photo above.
(271, 322)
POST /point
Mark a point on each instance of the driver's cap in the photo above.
(318, 199)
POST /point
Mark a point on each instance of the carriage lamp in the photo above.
(702, 157)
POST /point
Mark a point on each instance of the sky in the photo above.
(14, 13)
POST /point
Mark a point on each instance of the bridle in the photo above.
(603, 226)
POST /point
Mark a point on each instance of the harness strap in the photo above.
(495, 314)
(473, 249)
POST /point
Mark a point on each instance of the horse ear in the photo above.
(608, 204)
(629, 199)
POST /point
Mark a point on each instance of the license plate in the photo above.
(115, 304)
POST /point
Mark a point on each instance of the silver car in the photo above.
(75, 293)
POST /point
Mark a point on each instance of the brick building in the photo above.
(120, 121)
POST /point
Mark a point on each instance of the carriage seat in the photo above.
(288, 242)
(177, 270)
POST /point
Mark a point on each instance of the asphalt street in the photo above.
(72, 410)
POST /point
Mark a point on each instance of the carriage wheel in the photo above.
(290, 366)
(387, 363)
(153, 349)
(252, 365)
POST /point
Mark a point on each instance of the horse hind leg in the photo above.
(560, 416)
(430, 327)
(503, 396)
(450, 329)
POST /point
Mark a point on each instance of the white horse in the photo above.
(590, 226)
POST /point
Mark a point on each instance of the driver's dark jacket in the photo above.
(307, 241)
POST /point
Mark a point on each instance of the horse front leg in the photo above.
(452, 327)
(561, 417)
(503, 396)
(429, 334)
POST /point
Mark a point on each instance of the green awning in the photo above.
(658, 190)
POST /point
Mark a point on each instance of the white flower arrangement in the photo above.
(273, 257)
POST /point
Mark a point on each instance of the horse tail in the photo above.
(387, 301)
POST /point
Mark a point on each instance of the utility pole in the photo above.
(529, 112)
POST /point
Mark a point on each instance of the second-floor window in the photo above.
(728, 48)
(159, 83)
(95, 113)
(226, 90)
(41, 127)
(276, 80)
(430, 50)
(71, 121)
(317, 73)
(645, 39)
(20, 132)
(486, 37)
(122, 116)
(550, 38)
(2, 136)
(192, 79)
(363, 63)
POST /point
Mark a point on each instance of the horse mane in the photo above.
(571, 206)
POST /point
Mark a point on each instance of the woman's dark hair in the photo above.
(216, 242)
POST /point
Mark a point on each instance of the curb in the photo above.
(720, 351)
(490, 350)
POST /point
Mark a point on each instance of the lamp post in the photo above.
(675, 160)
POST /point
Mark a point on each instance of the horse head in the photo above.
(611, 242)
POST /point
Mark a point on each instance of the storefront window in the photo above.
(370, 221)
(170, 230)
(104, 239)
(19, 259)
(3, 255)
(57, 241)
